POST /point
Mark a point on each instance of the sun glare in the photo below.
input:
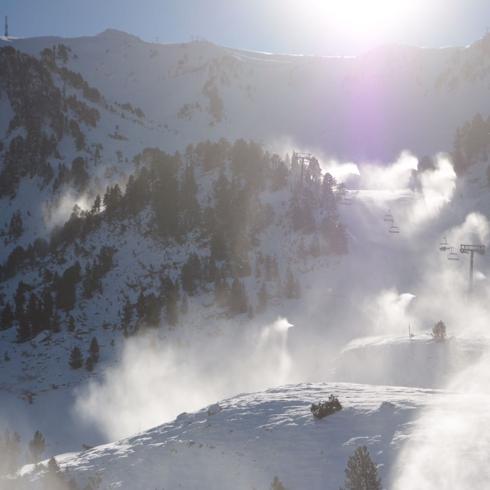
(364, 19)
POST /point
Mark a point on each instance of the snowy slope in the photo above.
(372, 106)
(419, 361)
(245, 441)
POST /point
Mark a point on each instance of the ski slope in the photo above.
(244, 441)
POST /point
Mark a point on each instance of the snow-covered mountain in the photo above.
(368, 107)
(108, 234)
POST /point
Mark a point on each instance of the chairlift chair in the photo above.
(452, 255)
(388, 217)
(394, 229)
(443, 246)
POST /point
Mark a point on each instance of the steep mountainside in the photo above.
(61, 142)
(372, 106)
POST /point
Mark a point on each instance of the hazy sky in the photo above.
(292, 26)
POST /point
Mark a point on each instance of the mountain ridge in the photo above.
(345, 107)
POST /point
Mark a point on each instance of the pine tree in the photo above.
(221, 291)
(10, 450)
(291, 288)
(23, 330)
(184, 305)
(277, 484)
(89, 364)
(171, 305)
(33, 314)
(16, 226)
(76, 358)
(7, 317)
(54, 323)
(53, 479)
(127, 314)
(238, 298)
(96, 205)
(53, 466)
(94, 350)
(262, 298)
(71, 324)
(141, 305)
(19, 299)
(439, 331)
(37, 446)
(361, 473)
(188, 196)
(66, 293)
(191, 274)
(47, 310)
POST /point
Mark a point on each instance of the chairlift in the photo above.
(452, 255)
(394, 229)
(443, 246)
(388, 217)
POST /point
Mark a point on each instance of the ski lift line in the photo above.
(388, 217)
(452, 255)
(444, 245)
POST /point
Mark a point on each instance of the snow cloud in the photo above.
(157, 379)
(58, 213)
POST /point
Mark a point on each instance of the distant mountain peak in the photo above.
(117, 35)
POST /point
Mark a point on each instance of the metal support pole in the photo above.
(472, 254)
(471, 249)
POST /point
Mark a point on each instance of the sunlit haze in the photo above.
(244, 245)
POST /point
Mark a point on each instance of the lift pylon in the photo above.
(471, 250)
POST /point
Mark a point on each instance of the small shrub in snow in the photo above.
(324, 408)
(277, 484)
(439, 331)
(387, 406)
(214, 409)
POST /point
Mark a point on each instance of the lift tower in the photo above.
(472, 249)
(6, 27)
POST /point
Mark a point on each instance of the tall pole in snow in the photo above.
(6, 27)
(471, 250)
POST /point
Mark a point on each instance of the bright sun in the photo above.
(362, 19)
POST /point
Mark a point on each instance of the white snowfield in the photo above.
(419, 361)
(371, 106)
(243, 442)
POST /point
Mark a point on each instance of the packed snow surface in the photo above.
(245, 441)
